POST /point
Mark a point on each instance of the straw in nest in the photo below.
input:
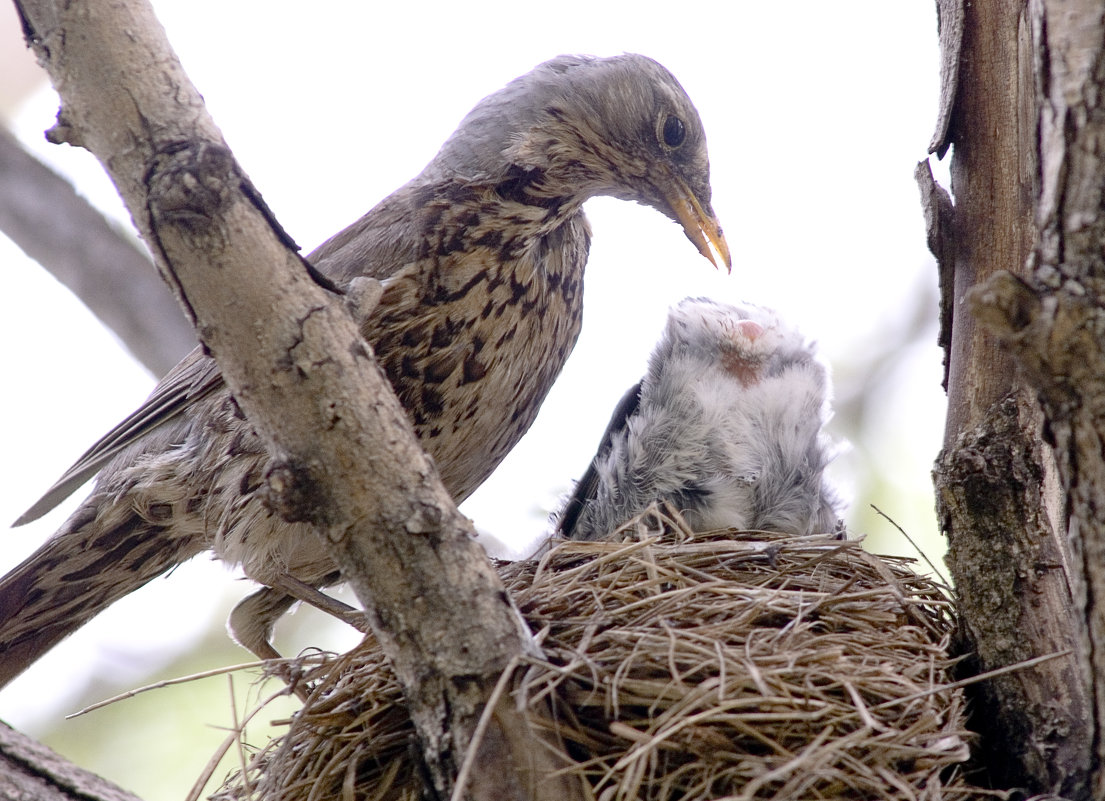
(743, 665)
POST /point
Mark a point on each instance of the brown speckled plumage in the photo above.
(480, 263)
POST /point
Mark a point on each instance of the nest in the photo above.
(744, 665)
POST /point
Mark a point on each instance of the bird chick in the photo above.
(727, 427)
(479, 263)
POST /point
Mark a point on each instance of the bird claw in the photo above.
(362, 296)
(840, 530)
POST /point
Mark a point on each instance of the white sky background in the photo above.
(815, 112)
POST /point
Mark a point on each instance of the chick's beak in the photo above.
(700, 226)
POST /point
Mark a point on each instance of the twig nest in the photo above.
(738, 665)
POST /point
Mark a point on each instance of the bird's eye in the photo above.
(674, 131)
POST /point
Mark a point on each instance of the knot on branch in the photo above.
(293, 492)
(63, 132)
(425, 519)
(991, 467)
(1057, 333)
(1005, 305)
(190, 184)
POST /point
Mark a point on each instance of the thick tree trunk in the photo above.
(997, 497)
(1053, 321)
(345, 454)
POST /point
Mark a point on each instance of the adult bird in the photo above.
(479, 262)
(726, 426)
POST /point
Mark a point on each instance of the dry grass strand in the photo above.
(737, 665)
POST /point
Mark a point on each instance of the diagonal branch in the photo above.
(42, 213)
(346, 457)
(30, 770)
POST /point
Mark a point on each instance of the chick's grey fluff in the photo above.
(479, 265)
(727, 427)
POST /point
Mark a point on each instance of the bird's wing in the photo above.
(379, 244)
(194, 378)
(362, 249)
(588, 485)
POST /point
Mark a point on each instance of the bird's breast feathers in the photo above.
(472, 344)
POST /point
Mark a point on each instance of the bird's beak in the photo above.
(701, 227)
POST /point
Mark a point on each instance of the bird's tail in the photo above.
(99, 555)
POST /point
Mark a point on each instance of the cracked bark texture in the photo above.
(999, 498)
(309, 384)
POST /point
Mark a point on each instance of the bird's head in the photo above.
(748, 342)
(578, 126)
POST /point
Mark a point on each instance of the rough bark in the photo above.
(30, 770)
(42, 213)
(996, 494)
(1009, 577)
(949, 16)
(1053, 321)
(992, 174)
(347, 459)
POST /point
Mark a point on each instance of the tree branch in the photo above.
(939, 212)
(949, 19)
(43, 215)
(1053, 320)
(996, 497)
(30, 770)
(346, 457)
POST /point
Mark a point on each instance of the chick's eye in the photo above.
(674, 131)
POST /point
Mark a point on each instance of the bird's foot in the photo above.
(362, 296)
(301, 591)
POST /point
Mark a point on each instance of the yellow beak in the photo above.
(701, 228)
